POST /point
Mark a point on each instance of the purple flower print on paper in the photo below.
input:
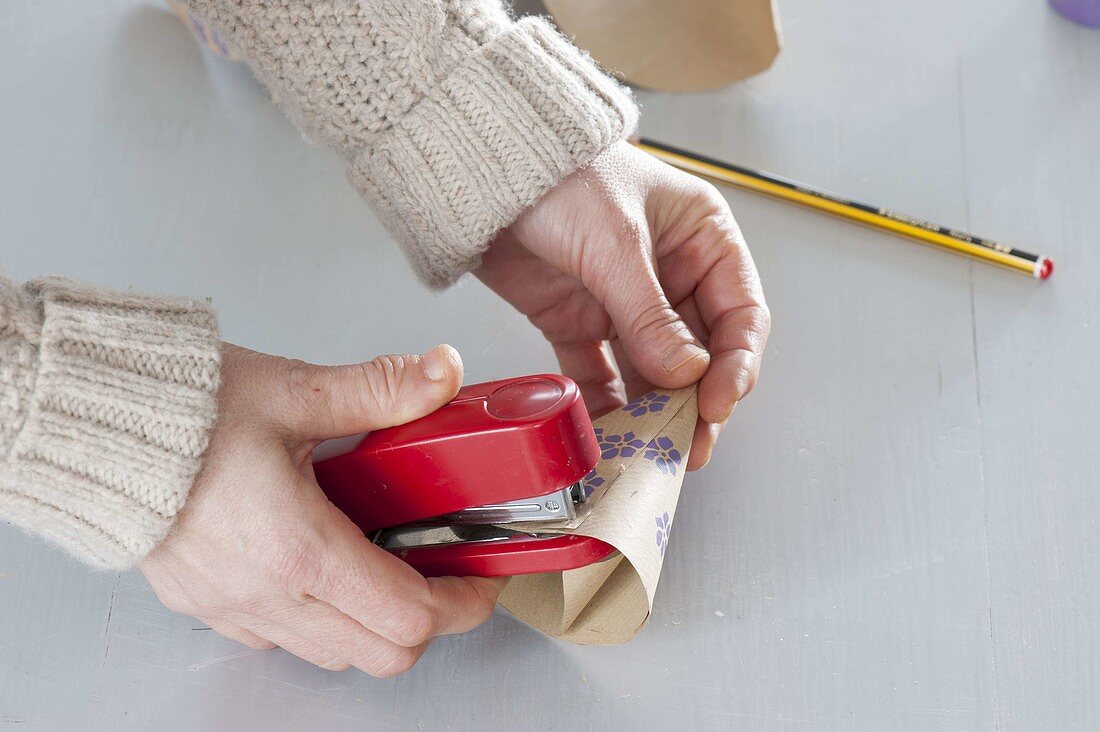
(591, 482)
(662, 452)
(624, 445)
(646, 403)
(664, 528)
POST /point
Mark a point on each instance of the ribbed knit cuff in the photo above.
(519, 114)
(124, 398)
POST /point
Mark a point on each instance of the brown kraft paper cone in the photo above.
(632, 503)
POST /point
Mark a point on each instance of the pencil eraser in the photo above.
(1046, 268)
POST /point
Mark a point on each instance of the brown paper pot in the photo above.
(631, 506)
(670, 45)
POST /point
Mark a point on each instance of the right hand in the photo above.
(638, 275)
(259, 553)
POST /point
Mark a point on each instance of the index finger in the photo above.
(713, 267)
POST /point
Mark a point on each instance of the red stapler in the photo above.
(435, 491)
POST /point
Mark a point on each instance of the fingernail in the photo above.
(435, 364)
(681, 355)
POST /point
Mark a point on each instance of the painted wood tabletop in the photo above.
(899, 528)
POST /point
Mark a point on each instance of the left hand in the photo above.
(262, 556)
(629, 262)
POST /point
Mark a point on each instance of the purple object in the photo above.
(1085, 12)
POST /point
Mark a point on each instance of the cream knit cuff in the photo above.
(520, 113)
(123, 399)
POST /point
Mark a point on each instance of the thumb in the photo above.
(335, 401)
(660, 345)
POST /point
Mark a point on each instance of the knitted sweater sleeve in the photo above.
(107, 400)
(453, 117)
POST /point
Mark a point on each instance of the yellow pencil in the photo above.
(923, 231)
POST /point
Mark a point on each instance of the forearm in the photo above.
(107, 400)
(453, 117)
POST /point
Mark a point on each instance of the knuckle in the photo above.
(414, 625)
(381, 377)
(720, 227)
(652, 317)
(746, 377)
(714, 197)
(396, 663)
(707, 194)
(724, 224)
(764, 320)
(744, 371)
(715, 221)
(758, 326)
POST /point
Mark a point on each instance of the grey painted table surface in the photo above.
(899, 528)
